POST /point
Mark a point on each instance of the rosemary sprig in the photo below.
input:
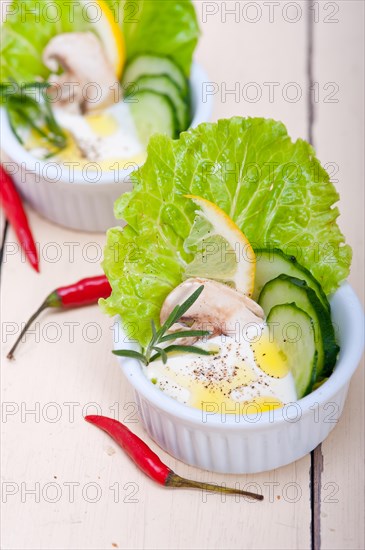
(26, 111)
(154, 350)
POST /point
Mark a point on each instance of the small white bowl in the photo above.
(234, 444)
(73, 198)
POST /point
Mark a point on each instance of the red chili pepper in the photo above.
(150, 463)
(16, 216)
(83, 293)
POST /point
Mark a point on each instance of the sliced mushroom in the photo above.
(219, 309)
(84, 62)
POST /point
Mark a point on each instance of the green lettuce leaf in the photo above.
(161, 27)
(29, 26)
(275, 190)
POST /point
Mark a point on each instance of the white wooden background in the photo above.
(66, 485)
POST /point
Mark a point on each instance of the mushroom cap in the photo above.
(82, 57)
(219, 308)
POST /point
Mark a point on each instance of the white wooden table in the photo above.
(66, 485)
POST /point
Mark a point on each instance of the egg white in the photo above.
(123, 143)
(229, 377)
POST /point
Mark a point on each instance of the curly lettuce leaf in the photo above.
(275, 190)
(160, 27)
(29, 26)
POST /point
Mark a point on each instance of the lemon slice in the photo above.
(221, 251)
(110, 35)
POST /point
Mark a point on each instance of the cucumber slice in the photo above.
(155, 65)
(300, 349)
(153, 113)
(285, 289)
(271, 262)
(164, 85)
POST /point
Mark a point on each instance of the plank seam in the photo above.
(310, 76)
(316, 485)
(5, 231)
(316, 467)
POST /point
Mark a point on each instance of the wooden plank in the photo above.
(255, 51)
(55, 449)
(339, 139)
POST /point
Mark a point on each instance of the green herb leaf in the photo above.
(36, 85)
(179, 311)
(184, 334)
(130, 353)
(171, 319)
(24, 111)
(158, 336)
(190, 349)
(154, 331)
(14, 128)
(184, 349)
(162, 352)
(189, 302)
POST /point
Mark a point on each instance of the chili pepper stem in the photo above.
(26, 327)
(85, 292)
(174, 480)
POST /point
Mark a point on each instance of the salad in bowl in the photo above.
(82, 97)
(228, 280)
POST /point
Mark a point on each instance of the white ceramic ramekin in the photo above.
(257, 442)
(80, 200)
